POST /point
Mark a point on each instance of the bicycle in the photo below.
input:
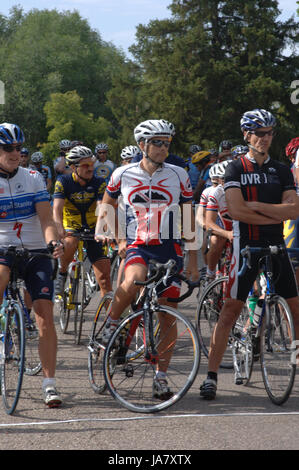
(80, 286)
(153, 336)
(13, 334)
(274, 336)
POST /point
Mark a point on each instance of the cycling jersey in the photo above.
(205, 196)
(104, 169)
(217, 203)
(19, 222)
(151, 201)
(264, 184)
(80, 201)
(44, 171)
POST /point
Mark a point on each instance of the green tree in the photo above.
(66, 119)
(45, 52)
(212, 61)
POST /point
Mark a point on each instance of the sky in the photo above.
(116, 20)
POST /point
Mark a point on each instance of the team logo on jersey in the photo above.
(19, 188)
(150, 195)
(3, 215)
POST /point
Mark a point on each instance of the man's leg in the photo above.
(228, 316)
(70, 246)
(102, 273)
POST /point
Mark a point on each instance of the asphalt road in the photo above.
(240, 418)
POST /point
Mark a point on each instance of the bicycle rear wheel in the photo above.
(96, 350)
(208, 310)
(129, 372)
(277, 351)
(12, 369)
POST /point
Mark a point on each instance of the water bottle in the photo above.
(258, 312)
(252, 301)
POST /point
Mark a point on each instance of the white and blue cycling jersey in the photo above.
(19, 222)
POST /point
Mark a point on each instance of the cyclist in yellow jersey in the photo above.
(76, 198)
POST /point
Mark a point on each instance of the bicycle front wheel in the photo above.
(210, 303)
(96, 349)
(32, 362)
(80, 304)
(12, 368)
(65, 303)
(277, 351)
(130, 366)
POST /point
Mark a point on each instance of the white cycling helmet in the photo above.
(221, 167)
(153, 128)
(213, 172)
(37, 157)
(78, 153)
(129, 152)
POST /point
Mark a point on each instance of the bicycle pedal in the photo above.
(129, 371)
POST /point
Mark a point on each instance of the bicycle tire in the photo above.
(80, 303)
(242, 349)
(64, 303)
(207, 315)
(95, 349)
(12, 369)
(33, 364)
(114, 270)
(129, 374)
(277, 340)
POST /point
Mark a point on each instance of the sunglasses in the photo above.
(159, 143)
(102, 153)
(11, 148)
(263, 133)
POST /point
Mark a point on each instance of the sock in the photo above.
(47, 382)
(212, 375)
(211, 273)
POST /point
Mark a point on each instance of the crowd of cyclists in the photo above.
(237, 192)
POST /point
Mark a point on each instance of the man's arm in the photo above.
(211, 217)
(44, 212)
(288, 209)
(239, 210)
(58, 215)
(189, 230)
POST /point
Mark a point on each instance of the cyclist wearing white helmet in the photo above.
(59, 165)
(103, 167)
(260, 194)
(150, 188)
(76, 198)
(26, 222)
(128, 153)
(44, 170)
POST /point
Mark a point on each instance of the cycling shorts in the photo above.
(291, 238)
(95, 250)
(37, 274)
(162, 253)
(240, 286)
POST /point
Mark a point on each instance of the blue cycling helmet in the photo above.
(239, 150)
(257, 118)
(11, 134)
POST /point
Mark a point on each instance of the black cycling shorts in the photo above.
(240, 286)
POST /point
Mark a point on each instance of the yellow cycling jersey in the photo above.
(80, 201)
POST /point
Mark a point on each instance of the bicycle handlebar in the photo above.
(84, 234)
(164, 270)
(264, 251)
(22, 253)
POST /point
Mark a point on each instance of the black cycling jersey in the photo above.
(264, 184)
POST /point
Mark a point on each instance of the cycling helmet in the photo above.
(74, 143)
(257, 118)
(214, 152)
(24, 151)
(239, 150)
(129, 152)
(37, 157)
(292, 147)
(194, 149)
(101, 147)
(220, 170)
(213, 172)
(11, 134)
(153, 128)
(200, 157)
(65, 144)
(76, 154)
(225, 145)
